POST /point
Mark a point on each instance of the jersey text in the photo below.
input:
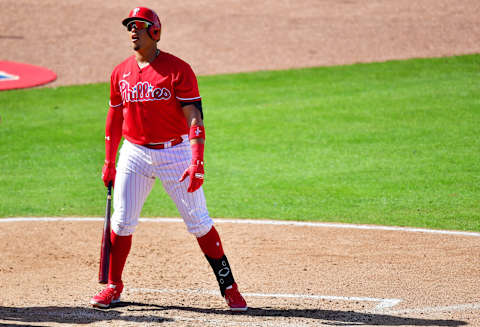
(142, 91)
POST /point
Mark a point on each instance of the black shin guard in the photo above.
(222, 271)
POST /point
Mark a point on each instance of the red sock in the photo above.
(118, 256)
(211, 245)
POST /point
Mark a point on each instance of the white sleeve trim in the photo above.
(188, 99)
(114, 106)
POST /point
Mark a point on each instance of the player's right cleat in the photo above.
(109, 295)
(234, 299)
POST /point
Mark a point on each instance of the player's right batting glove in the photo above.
(108, 173)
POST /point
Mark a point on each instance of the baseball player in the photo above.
(156, 106)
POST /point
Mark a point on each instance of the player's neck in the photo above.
(146, 56)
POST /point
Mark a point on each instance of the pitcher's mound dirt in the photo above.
(82, 41)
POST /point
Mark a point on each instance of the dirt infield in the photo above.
(291, 275)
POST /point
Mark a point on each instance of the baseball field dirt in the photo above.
(290, 274)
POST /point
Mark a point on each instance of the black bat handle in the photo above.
(109, 193)
(106, 243)
(109, 204)
(108, 208)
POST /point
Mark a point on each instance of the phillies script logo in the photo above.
(142, 91)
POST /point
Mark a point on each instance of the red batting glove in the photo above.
(108, 173)
(196, 173)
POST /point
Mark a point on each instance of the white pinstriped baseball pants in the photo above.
(137, 169)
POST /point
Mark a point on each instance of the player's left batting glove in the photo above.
(196, 173)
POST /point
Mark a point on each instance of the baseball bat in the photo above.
(106, 243)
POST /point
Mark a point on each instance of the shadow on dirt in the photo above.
(132, 312)
(330, 317)
(71, 316)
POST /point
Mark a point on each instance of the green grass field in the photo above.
(394, 143)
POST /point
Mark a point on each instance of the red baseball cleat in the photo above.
(109, 295)
(234, 299)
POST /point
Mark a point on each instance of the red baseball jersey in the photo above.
(150, 97)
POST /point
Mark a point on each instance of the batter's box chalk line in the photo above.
(382, 304)
(449, 308)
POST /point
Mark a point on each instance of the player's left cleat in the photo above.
(234, 299)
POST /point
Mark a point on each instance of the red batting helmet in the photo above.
(147, 15)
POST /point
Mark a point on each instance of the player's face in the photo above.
(139, 35)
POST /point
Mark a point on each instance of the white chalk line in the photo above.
(384, 306)
(449, 308)
(260, 222)
(382, 303)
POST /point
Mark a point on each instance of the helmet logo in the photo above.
(135, 11)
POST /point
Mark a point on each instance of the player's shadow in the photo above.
(70, 316)
(136, 312)
(330, 317)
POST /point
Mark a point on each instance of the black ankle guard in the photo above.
(222, 271)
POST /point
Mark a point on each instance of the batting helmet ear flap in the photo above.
(154, 32)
